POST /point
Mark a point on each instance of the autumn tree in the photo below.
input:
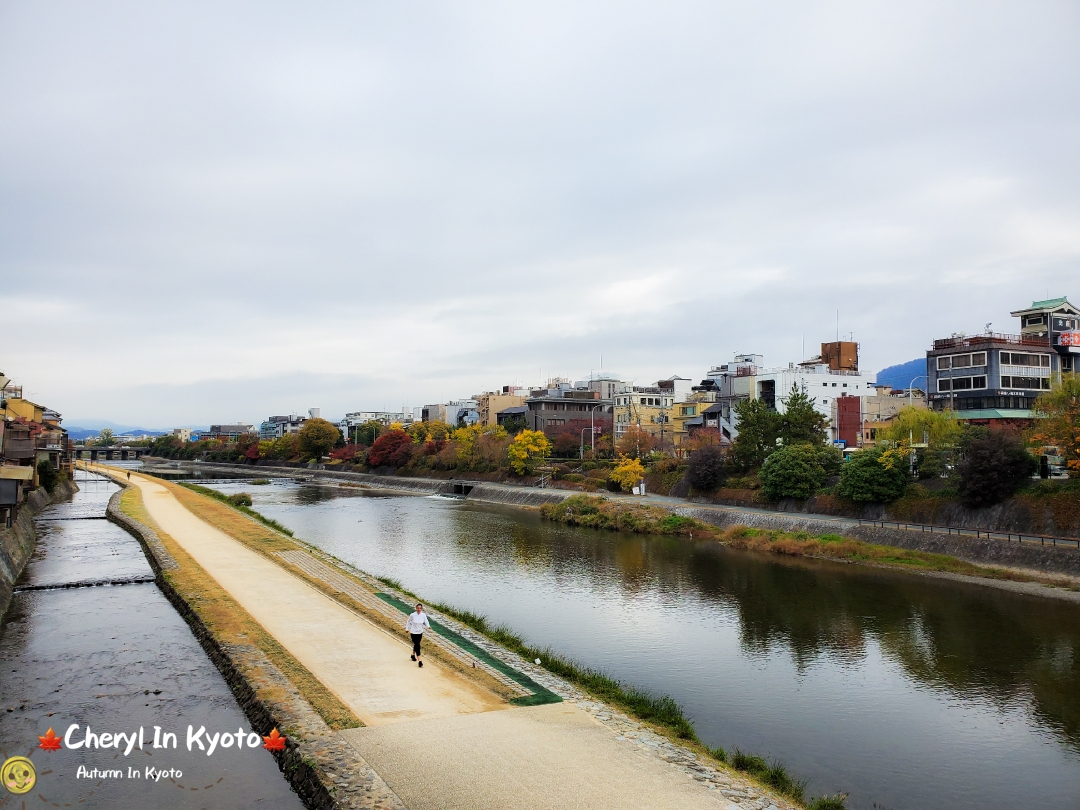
(526, 449)
(105, 437)
(392, 449)
(317, 437)
(1059, 421)
(636, 442)
(627, 473)
(707, 468)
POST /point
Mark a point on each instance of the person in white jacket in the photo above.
(416, 624)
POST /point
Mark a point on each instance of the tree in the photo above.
(993, 468)
(867, 477)
(526, 448)
(105, 437)
(627, 473)
(797, 470)
(48, 477)
(515, 424)
(759, 428)
(703, 437)
(317, 437)
(938, 429)
(392, 449)
(367, 433)
(636, 442)
(1059, 422)
(284, 447)
(708, 468)
(801, 423)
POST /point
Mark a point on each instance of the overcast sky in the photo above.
(216, 212)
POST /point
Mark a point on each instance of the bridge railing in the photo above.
(1018, 537)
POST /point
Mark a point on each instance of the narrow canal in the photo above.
(908, 692)
(111, 658)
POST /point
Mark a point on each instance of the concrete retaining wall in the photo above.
(18, 542)
(1043, 559)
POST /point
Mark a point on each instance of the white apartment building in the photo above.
(822, 380)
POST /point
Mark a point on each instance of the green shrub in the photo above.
(797, 471)
(865, 478)
(48, 475)
(993, 468)
(240, 499)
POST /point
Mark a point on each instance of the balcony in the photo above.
(990, 338)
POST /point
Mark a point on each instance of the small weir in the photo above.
(75, 649)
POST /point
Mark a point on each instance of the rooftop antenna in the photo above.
(988, 327)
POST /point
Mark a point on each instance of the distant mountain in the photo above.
(92, 427)
(901, 376)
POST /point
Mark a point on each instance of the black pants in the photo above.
(416, 639)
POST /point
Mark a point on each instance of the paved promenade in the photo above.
(437, 738)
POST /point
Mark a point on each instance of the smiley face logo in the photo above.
(18, 775)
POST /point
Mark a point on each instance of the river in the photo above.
(909, 693)
(113, 658)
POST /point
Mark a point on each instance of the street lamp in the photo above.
(911, 433)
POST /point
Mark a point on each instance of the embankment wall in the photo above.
(18, 542)
(1043, 559)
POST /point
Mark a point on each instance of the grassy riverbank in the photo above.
(597, 512)
(236, 504)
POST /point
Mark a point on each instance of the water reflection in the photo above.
(908, 691)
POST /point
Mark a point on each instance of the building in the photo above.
(994, 378)
(832, 375)
(30, 434)
(183, 434)
(228, 433)
(277, 426)
(458, 412)
(564, 406)
(651, 407)
(882, 408)
(492, 403)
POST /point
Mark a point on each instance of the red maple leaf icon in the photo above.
(50, 742)
(275, 742)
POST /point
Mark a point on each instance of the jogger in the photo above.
(416, 624)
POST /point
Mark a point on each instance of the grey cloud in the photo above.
(412, 202)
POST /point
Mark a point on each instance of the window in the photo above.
(960, 383)
(1023, 359)
(1035, 383)
(961, 360)
(1034, 320)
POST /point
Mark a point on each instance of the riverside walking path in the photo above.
(438, 738)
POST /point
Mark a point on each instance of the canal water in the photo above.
(111, 658)
(908, 692)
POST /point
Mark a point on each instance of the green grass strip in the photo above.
(247, 510)
(541, 694)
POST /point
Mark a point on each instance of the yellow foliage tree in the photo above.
(527, 448)
(627, 473)
(1059, 421)
(912, 425)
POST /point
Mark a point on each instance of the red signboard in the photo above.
(1069, 339)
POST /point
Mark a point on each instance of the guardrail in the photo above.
(1042, 539)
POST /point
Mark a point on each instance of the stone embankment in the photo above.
(1027, 556)
(18, 542)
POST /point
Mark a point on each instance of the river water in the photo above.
(113, 658)
(908, 692)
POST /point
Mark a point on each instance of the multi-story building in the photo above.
(651, 408)
(277, 426)
(459, 411)
(563, 405)
(881, 409)
(995, 378)
(184, 434)
(30, 434)
(228, 433)
(491, 403)
(833, 375)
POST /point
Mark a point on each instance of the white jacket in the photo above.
(417, 623)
